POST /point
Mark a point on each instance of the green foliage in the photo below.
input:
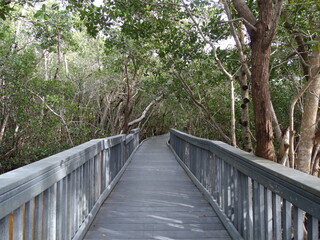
(5, 9)
(61, 87)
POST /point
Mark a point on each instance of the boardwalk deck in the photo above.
(155, 199)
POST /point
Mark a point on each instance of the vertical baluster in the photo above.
(89, 186)
(212, 173)
(268, 214)
(194, 161)
(198, 161)
(240, 204)
(107, 167)
(74, 203)
(258, 211)
(113, 159)
(298, 223)
(101, 176)
(46, 213)
(96, 178)
(4, 227)
(103, 170)
(64, 208)
(286, 220)
(312, 227)
(276, 210)
(225, 187)
(92, 183)
(28, 226)
(60, 205)
(236, 197)
(69, 207)
(191, 159)
(81, 197)
(187, 154)
(222, 185)
(232, 193)
(247, 207)
(18, 224)
(53, 212)
(38, 217)
(204, 169)
(87, 189)
(118, 159)
(218, 180)
(79, 193)
(49, 213)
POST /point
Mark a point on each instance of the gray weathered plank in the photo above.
(155, 199)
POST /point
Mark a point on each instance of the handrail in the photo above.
(58, 197)
(257, 198)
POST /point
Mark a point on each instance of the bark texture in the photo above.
(261, 99)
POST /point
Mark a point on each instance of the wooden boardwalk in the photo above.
(155, 199)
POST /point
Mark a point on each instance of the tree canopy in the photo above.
(244, 72)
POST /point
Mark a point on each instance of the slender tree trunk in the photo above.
(3, 126)
(233, 115)
(145, 111)
(309, 115)
(261, 98)
(245, 119)
(46, 70)
(66, 64)
(244, 73)
(125, 128)
(58, 57)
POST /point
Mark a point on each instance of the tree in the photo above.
(261, 30)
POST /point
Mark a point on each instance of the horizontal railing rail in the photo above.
(58, 197)
(255, 198)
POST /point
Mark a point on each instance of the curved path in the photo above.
(155, 199)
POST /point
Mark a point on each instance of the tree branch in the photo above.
(201, 106)
(240, 19)
(144, 113)
(276, 12)
(55, 113)
(244, 12)
(237, 40)
(214, 49)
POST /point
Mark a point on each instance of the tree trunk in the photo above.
(244, 74)
(261, 98)
(3, 126)
(261, 31)
(233, 115)
(309, 115)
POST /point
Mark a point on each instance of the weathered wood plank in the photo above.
(4, 227)
(38, 217)
(29, 209)
(298, 223)
(312, 227)
(286, 220)
(18, 224)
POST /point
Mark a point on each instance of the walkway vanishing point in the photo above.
(189, 188)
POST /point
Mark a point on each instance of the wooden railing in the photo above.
(255, 198)
(58, 197)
